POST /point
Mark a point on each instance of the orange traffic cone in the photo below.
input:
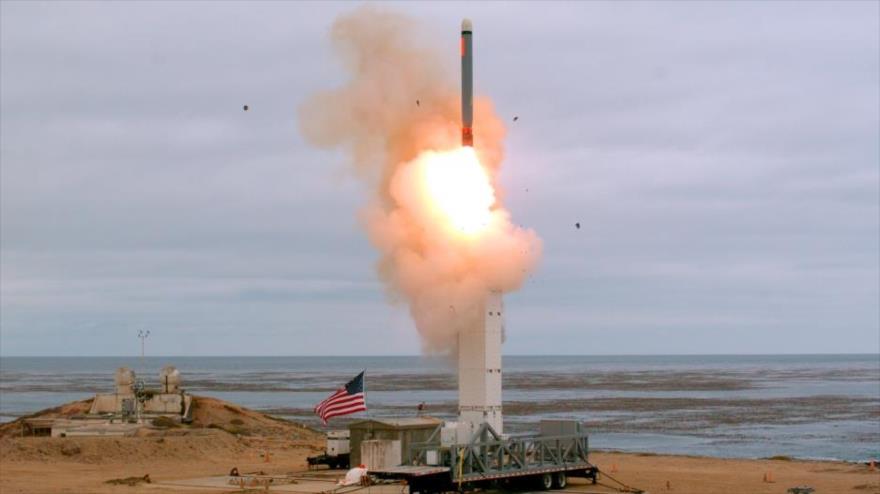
(872, 465)
(614, 468)
(267, 458)
(768, 477)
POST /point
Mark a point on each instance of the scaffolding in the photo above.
(488, 456)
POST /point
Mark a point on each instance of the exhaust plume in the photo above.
(435, 215)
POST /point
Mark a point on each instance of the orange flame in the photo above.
(458, 188)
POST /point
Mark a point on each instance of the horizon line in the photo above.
(443, 356)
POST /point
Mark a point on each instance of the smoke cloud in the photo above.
(435, 215)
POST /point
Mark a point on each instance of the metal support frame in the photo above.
(490, 456)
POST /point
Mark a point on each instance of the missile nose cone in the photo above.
(466, 25)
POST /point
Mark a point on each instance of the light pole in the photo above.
(142, 334)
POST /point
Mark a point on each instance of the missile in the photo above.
(467, 84)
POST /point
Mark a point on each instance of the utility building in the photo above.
(130, 398)
(387, 440)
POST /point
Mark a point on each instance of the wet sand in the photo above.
(608, 380)
(681, 415)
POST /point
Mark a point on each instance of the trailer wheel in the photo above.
(545, 481)
(560, 481)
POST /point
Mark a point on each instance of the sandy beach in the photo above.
(215, 454)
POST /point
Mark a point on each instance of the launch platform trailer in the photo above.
(543, 461)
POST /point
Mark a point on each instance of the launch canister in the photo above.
(467, 84)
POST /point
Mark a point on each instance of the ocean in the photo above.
(802, 406)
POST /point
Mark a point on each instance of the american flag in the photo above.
(347, 399)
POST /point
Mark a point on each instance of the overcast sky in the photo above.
(721, 159)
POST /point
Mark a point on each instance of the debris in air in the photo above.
(245, 107)
(515, 119)
(418, 103)
(577, 225)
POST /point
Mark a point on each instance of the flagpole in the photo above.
(364, 372)
(369, 412)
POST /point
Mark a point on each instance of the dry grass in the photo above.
(130, 481)
(166, 422)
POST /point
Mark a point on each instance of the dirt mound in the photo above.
(201, 444)
(207, 413)
(218, 414)
(218, 428)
